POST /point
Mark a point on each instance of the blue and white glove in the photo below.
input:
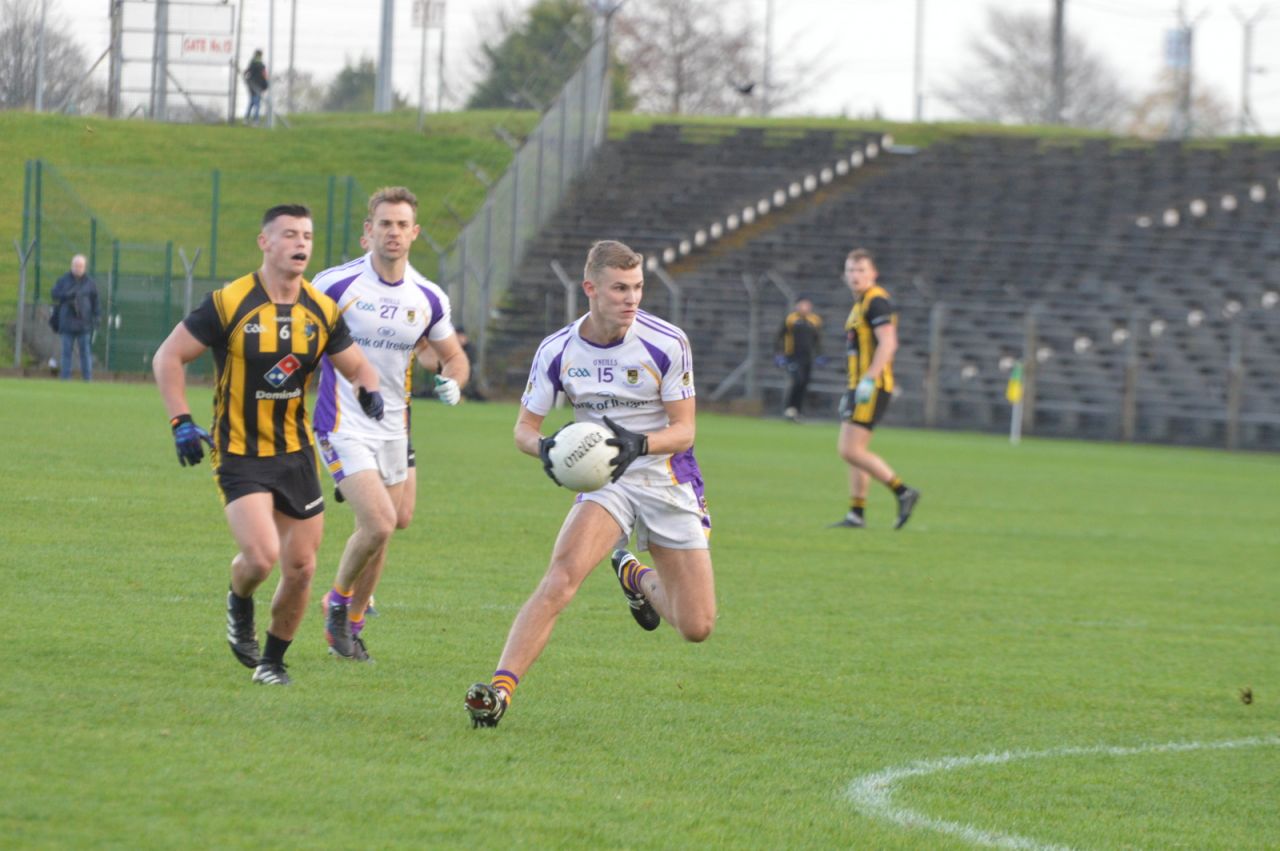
(863, 392)
(187, 437)
(447, 390)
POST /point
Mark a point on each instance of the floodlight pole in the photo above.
(271, 67)
(766, 84)
(160, 64)
(40, 45)
(1247, 70)
(1059, 62)
(235, 70)
(293, 40)
(382, 87)
(422, 64)
(917, 79)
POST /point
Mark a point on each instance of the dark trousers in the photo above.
(83, 341)
(798, 373)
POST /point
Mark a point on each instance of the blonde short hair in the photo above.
(609, 254)
(861, 254)
(392, 195)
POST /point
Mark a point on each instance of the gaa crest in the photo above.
(633, 376)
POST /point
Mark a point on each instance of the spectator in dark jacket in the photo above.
(255, 78)
(75, 316)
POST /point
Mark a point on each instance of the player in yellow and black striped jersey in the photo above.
(800, 339)
(872, 335)
(263, 355)
(267, 331)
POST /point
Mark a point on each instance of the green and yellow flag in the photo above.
(1014, 391)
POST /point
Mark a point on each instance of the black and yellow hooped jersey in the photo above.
(801, 335)
(869, 313)
(263, 354)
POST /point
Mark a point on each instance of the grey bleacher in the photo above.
(995, 229)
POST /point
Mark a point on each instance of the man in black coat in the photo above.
(75, 316)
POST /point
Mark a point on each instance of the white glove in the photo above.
(447, 390)
(862, 393)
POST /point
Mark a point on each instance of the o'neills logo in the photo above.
(583, 448)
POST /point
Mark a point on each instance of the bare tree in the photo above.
(1153, 114)
(1011, 77)
(688, 56)
(64, 61)
(308, 95)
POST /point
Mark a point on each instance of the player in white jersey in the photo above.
(631, 371)
(394, 313)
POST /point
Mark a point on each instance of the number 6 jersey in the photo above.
(263, 354)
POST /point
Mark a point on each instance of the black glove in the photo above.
(544, 452)
(186, 437)
(630, 447)
(370, 403)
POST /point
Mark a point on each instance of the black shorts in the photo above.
(868, 413)
(292, 479)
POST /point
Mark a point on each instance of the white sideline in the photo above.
(873, 793)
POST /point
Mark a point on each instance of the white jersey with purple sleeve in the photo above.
(627, 381)
(387, 319)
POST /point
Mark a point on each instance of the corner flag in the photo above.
(1014, 391)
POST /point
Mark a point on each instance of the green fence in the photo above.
(155, 218)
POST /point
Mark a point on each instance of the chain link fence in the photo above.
(477, 269)
(143, 282)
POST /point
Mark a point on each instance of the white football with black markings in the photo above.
(580, 457)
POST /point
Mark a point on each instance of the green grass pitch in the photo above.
(1049, 597)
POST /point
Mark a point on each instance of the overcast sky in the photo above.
(868, 44)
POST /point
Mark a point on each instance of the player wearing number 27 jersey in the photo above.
(393, 313)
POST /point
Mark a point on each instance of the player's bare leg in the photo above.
(375, 520)
(253, 527)
(367, 580)
(855, 442)
(299, 543)
(586, 536)
(854, 447)
(252, 523)
(682, 588)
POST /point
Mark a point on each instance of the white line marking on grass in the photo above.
(873, 793)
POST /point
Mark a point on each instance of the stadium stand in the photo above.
(1133, 278)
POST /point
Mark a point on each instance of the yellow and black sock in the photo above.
(857, 506)
(896, 485)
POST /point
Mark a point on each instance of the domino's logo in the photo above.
(285, 367)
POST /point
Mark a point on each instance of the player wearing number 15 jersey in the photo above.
(632, 372)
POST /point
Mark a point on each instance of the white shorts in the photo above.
(345, 455)
(672, 516)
